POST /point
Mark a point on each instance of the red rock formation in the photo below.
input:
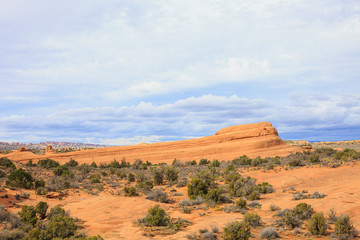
(49, 149)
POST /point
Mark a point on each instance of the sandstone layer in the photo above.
(257, 139)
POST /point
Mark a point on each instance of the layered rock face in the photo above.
(257, 139)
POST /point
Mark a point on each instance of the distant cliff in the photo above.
(42, 145)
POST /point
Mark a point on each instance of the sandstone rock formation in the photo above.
(257, 139)
(49, 149)
(22, 149)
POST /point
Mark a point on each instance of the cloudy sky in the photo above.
(128, 71)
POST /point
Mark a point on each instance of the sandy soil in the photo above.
(113, 216)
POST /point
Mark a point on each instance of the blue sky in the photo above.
(126, 71)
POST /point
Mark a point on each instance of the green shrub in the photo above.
(20, 178)
(146, 185)
(303, 211)
(61, 227)
(204, 161)
(158, 175)
(197, 187)
(237, 231)
(242, 161)
(41, 209)
(130, 191)
(156, 217)
(171, 174)
(61, 171)
(95, 178)
(296, 163)
(269, 233)
(291, 220)
(215, 163)
(314, 158)
(56, 211)
(6, 163)
(39, 183)
(252, 219)
(28, 215)
(93, 165)
(131, 177)
(48, 163)
(215, 195)
(114, 164)
(71, 163)
(317, 224)
(2, 174)
(343, 228)
(241, 203)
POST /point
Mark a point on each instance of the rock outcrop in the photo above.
(22, 149)
(257, 139)
(49, 150)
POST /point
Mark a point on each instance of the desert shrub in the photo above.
(296, 163)
(146, 185)
(265, 188)
(39, 183)
(269, 233)
(2, 174)
(291, 219)
(131, 177)
(241, 203)
(254, 204)
(93, 165)
(114, 164)
(204, 161)
(156, 217)
(237, 231)
(71, 163)
(61, 227)
(158, 195)
(274, 208)
(158, 175)
(215, 163)
(303, 211)
(41, 209)
(252, 219)
(61, 171)
(332, 215)
(41, 191)
(20, 178)
(130, 191)
(171, 174)
(317, 224)
(242, 161)
(314, 158)
(56, 211)
(6, 163)
(215, 195)
(208, 177)
(95, 178)
(48, 163)
(343, 228)
(197, 187)
(28, 215)
(13, 234)
(30, 163)
(139, 164)
(326, 151)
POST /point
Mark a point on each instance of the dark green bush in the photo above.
(252, 219)
(6, 163)
(131, 177)
(56, 211)
(39, 183)
(171, 174)
(317, 224)
(61, 227)
(242, 161)
(20, 178)
(343, 228)
(41, 209)
(61, 171)
(71, 163)
(93, 164)
(28, 215)
(215, 163)
(95, 178)
(204, 161)
(156, 217)
(48, 163)
(241, 203)
(130, 191)
(296, 163)
(158, 175)
(237, 231)
(114, 164)
(197, 187)
(314, 158)
(215, 195)
(291, 219)
(2, 174)
(303, 211)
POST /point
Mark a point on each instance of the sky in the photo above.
(122, 72)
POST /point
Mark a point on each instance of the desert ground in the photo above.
(103, 209)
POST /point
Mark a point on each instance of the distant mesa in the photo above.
(256, 139)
